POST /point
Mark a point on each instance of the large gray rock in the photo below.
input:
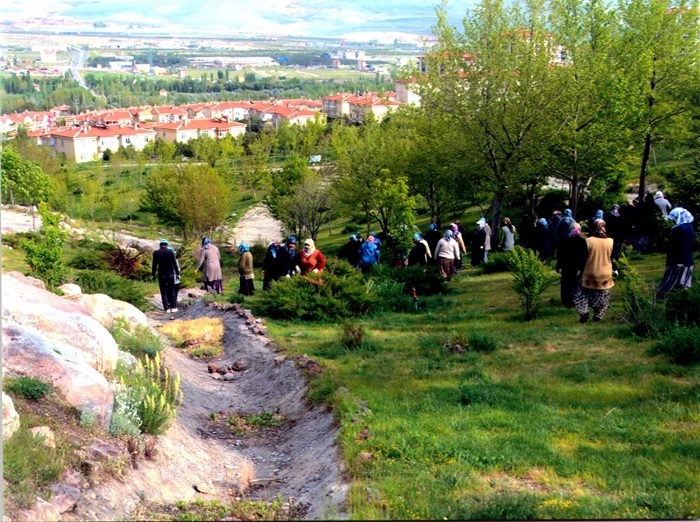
(27, 351)
(67, 324)
(10, 417)
(70, 290)
(28, 280)
(105, 310)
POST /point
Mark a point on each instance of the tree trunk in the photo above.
(574, 195)
(496, 210)
(645, 166)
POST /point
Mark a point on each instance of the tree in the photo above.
(25, 180)
(254, 171)
(657, 53)
(305, 208)
(44, 254)
(193, 198)
(394, 210)
(491, 80)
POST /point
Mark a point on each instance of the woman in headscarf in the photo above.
(506, 237)
(211, 259)
(246, 274)
(542, 240)
(479, 242)
(679, 258)
(571, 258)
(446, 251)
(457, 236)
(597, 277)
(663, 204)
(564, 228)
(310, 259)
(269, 268)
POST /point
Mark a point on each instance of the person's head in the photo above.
(370, 238)
(291, 242)
(205, 241)
(432, 226)
(506, 222)
(681, 216)
(599, 228)
(373, 234)
(243, 247)
(481, 222)
(309, 245)
(615, 210)
(598, 214)
(454, 228)
(448, 234)
(358, 233)
(575, 230)
(417, 238)
(658, 194)
(352, 237)
(567, 213)
(163, 242)
(542, 222)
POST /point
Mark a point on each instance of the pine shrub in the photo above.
(642, 311)
(497, 263)
(683, 307)
(530, 279)
(681, 345)
(111, 284)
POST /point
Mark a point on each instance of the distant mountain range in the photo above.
(310, 18)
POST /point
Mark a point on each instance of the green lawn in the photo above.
(561, 421)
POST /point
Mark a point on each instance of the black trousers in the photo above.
(168, 291)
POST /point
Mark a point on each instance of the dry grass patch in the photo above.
(201, 337)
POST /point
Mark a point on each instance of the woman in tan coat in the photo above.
(245, 270)
(211, 259)
(597, 277)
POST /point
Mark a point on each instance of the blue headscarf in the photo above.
(205, 241)
(417, 237)
(598, 214)
(543, 222)
(448, 234)
(432, 226)
(567, 213)
(681, 216)
(243, 247)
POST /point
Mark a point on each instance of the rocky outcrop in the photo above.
(70, 290)
(105, 310)
(72, 331)
(10, 417)
(27, 280)
(27, 351)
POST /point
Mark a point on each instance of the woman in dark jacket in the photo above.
(571, 258)
(679, 258)
(542, 240)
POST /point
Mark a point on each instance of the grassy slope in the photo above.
(572, 421)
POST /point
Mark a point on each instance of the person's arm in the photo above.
(200, 262)
(154, 266)
(320, 261)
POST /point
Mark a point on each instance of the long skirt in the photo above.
(246, 286)
(446, 267)
(214, 286)
(596, 299)
(569, 286)
(678, 276)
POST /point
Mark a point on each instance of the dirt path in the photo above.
(301, 456)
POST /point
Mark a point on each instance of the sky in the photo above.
(322, 18)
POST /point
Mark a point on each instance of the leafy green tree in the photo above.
(255, 172)
(44, 253)
(305, 208)
(25, 181)
(394, 210)
(657, 53)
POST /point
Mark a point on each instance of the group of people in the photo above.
(587, 265)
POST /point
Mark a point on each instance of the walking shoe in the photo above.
(583, 318)
(167, 310)
(597, 319)
(173, 310)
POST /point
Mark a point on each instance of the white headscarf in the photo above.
(680, 216)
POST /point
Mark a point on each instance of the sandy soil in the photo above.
(257, 226)
(14, 221)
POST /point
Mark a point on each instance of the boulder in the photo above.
(27, 280)
(42, 510)
(70, 290)
(10, 417)
(27, 351)
(45, 434)
(106, 310)
(64, 498)
(74, 333)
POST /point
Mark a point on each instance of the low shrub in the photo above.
(681, 345)
(323, 298)
(89, 260)
(351, 334)
(258, 251)
(497, 263)
(481, 342)
(425, 279)
(642, 311)
(530, 279)
(125, 415)
(125, 262)
(683, 307)
(111, 284)
(28, 465)
(28, 387)
(15, 240)
(141, 342)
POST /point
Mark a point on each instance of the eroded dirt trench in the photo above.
(298, 459)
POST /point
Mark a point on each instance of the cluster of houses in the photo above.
(85, 137)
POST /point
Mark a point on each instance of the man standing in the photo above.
(165, 264)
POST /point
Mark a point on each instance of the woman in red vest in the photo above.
(309, 259)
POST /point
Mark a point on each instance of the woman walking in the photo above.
(571, 259)
(310, 259)
(597, 278)
(446, 252)
(506, 239)
(211, 259)
(246, 273)
(679, 258)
